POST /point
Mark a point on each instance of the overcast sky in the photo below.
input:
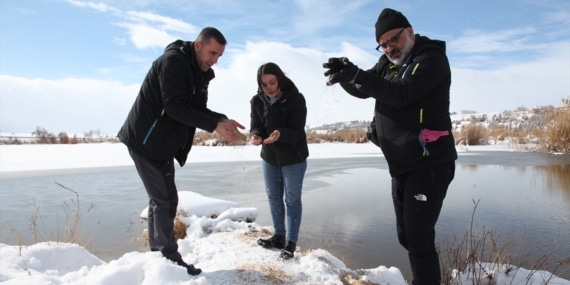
(75, 66)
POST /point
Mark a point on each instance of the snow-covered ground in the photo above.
(224, 248)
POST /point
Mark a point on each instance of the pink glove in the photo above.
(427, 136)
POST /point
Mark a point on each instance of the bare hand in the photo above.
(228, 129)
(273, 137)
(255, 140)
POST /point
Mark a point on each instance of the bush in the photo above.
(472, 134)
(63, 138)
(545, 128)
(557, 133)
(44, 137)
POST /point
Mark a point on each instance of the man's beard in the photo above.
(404, 52)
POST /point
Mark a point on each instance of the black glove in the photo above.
(334, 65)
(340, 70)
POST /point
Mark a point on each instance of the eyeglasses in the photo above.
(391, 42)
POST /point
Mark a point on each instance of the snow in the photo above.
(219, 240)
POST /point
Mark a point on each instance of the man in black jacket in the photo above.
(410, 83)
(160, 127)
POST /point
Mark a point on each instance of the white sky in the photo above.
(75, 66)
(228, 254)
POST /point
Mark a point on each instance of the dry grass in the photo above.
(465, 255)
(547, 127)
(179, 229)
(179, 226)
(480, 254)
(345, 136)
(555, 136)
(557, 133)
(73, 214)
(214, 139)
(71, 232)
(472, 134)
(256, 272)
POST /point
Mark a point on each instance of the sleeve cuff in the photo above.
(357, 79)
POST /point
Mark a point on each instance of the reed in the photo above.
(481, 255)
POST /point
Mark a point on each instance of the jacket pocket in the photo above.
(428, 136)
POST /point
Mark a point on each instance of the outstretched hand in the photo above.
(340, 69)
(228, 129)
(255, 140)
(273, 137)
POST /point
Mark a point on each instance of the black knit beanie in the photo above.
(390, 19)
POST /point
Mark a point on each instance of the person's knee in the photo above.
(403, 240)
(420, 246)
(159, 204)
(274, 198)
(293, 202)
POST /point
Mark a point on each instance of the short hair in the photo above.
(274, 69)
(208, 33)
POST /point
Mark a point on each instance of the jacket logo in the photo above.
(421, 197)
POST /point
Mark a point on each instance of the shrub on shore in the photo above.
(557, 132)
(547, 129)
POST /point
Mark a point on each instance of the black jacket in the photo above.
(288, 115)
(171, 104)
(409, 99)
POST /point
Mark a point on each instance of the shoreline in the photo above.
(19, 159)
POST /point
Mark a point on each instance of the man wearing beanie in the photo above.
(410, 84)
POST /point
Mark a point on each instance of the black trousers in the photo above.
(158, 180)
(418, 198)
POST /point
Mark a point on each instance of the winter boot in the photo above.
(276, 241)
(288, 251)
(189, 267)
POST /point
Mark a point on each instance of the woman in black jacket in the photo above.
(278, 115)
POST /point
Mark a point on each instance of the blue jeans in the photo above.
(285, 181)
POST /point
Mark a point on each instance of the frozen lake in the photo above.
(347, 206)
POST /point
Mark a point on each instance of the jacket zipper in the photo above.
(152, 127)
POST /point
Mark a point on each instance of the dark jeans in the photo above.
(418, 198)
(158, 180)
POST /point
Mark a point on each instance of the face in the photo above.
(207, 53)
(270, 85)
(398, 44)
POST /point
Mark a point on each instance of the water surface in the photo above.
(347, 207)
